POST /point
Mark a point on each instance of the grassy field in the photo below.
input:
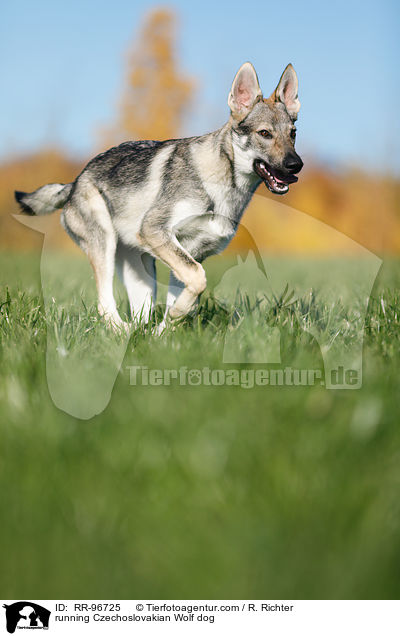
(198, 491)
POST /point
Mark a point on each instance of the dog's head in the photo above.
(263, 130)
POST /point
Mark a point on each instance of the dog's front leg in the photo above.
(175, 288)
(165, 246)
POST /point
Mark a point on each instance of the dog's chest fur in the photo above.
(203, 232)
(206, 220)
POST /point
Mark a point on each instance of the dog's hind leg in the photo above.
(87, 221)
(103, 262)
(137, 271)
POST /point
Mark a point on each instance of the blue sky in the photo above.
(62, 69)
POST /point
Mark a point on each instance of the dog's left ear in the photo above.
(245, 91)
(286, 91)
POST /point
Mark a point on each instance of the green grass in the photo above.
(199, 491)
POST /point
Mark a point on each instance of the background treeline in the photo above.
(155, 101)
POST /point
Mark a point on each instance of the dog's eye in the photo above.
(265, 133)
(293, 133)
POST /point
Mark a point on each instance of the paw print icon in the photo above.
(194, 377)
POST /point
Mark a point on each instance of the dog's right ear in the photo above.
(245, 91)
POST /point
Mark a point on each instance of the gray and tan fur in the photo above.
(179, 200)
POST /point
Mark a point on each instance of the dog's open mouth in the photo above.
(276, 181)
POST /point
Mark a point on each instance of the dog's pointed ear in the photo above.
(245, 91)
(286, 91)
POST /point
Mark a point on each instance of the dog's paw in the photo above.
(160, 328)
(117, 325)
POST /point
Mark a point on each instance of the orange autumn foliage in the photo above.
(49, 165)
(364, 207)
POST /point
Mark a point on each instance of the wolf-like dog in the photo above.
(178, 200)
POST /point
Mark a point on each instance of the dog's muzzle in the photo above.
(277, 181)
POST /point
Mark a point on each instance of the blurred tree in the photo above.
(157, 96)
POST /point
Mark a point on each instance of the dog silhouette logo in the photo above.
(26, 615)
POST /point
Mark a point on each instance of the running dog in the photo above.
(178, 200)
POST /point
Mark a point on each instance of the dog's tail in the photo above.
(44, 200)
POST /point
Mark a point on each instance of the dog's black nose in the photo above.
(293, 163)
